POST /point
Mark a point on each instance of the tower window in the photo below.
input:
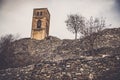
(40, 13)
(37, 13)
(39, 24)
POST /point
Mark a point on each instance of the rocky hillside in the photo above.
(95, 57)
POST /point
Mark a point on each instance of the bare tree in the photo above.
(93, 25)
(91, 29)
(74, 22)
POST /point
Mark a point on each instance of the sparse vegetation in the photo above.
(75, 23)
(6, 50)
(92, 25)
(78, 24)
(91, 28)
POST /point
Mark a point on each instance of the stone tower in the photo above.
(40, 23)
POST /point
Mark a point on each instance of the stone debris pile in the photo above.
(107, 68)
(56, 59)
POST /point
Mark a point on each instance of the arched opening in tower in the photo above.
(39, 24)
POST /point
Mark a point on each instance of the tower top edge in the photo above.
(40, 8)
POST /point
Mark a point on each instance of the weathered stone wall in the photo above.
(40, 33)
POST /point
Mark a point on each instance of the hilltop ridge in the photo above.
(56, 59)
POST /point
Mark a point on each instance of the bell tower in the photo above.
(40, 23)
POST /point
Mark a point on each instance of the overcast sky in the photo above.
(16, 15)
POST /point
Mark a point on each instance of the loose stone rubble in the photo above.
(55, 59)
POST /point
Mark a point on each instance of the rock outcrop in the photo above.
(56, 59)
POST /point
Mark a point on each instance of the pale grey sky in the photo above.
(16, 15)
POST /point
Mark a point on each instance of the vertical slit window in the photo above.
(41, 13)
(39, 24)
(37, 13)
